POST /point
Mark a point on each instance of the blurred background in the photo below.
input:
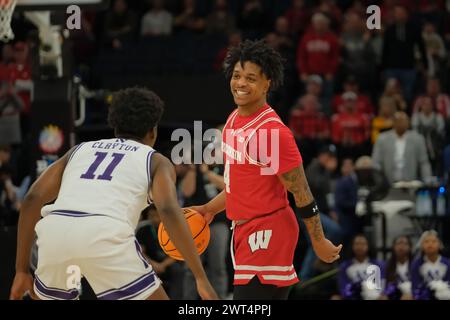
(370, 111)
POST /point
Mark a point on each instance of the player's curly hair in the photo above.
(259, 53)
(134, 112)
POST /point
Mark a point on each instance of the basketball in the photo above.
(199, 230)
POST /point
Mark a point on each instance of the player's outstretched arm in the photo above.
(295, 181)
(213, 207)
(44, 190)
(166, 202)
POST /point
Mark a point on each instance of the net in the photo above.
(6, 12)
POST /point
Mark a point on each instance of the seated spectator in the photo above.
(434, 47)
(440, 99)
(431, 126)
(385, 119)
(363, 103)
(393, 90)
(400, 153)
(430, 272)
(354, 272)
(189, 18)
(350, 130)
(398, 270)
(347, 167)
(158, 21)
(310, 127)
(314, 85)
(319, 174)
(363, 184)
(220, 20)
(120, 24)
(298, 16)
(345, 200)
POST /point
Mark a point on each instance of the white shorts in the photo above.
(105, 251)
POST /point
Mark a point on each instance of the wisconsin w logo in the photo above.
(259, 240)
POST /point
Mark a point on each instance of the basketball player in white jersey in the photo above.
(99, 189)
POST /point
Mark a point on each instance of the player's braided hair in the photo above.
(259, 53)
(134, 112)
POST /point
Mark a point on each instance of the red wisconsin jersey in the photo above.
(256, 149)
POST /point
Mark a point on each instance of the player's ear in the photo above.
(266, 89)
(154, 133)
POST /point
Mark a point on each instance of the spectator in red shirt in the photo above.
(440, 100)
(350, 130)
(363, 103)
(314, 86)
(318, 53)
(20, 77)
(311, 128)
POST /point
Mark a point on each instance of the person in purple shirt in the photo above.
(397, 272)
(356, 272)
(430, 272)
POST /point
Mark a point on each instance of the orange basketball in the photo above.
(199, 230)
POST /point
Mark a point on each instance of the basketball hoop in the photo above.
(6, 12)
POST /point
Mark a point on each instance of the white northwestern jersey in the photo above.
(108, 177)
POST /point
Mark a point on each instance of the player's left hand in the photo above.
(23, 283)
(327, 251)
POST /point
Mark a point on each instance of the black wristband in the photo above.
(309, 211)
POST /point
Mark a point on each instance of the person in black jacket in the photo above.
(398, 59)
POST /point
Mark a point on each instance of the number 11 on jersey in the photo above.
(99, 157)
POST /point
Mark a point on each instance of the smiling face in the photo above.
(249, 85)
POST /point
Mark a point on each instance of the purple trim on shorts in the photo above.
(55, 293)
(72, 213)
(130, 290)
(139, 252)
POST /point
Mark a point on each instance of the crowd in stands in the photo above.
(368, 108)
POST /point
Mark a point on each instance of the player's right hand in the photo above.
(23, 282)
(203, 210)
(205, 290)
(326, 251)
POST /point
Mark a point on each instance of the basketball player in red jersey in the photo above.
(262, 161)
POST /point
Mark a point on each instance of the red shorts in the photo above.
(265, 247)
